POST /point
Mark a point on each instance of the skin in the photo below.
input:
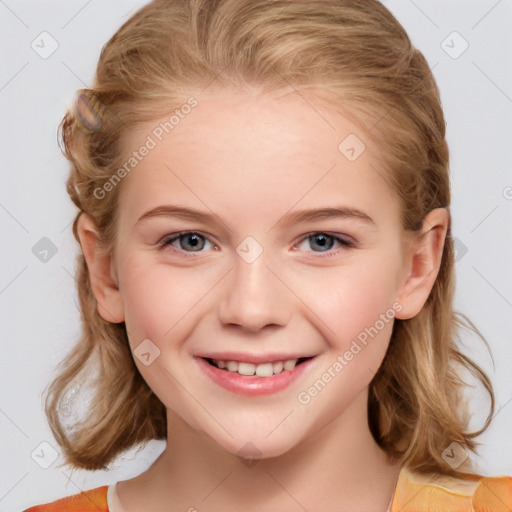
(250, 159)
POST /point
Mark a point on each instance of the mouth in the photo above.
(266, 369)
(261, 377)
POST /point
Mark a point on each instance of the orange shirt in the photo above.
(94, 500)
(414, 493)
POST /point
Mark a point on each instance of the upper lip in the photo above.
(252, 358)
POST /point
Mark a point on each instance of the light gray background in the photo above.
(40, 319)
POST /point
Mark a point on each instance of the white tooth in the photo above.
(232, 366)
(246, 369)
(290, 364)
(264, 370)
(277, 367)
(220, 364)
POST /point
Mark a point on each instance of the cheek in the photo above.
(157, 297)
(350, 301)
(356, 316)
(144, 299)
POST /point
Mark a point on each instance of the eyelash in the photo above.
(169, 239)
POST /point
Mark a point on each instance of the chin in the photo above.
(256, 447)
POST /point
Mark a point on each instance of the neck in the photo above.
(341, 464)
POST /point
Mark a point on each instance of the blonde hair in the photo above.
(353, 54)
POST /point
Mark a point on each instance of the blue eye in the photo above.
(194, 242)
(189, 241)
(325, 242)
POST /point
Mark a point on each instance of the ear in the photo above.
(101, 272)
(423, 262)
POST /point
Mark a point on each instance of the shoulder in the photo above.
(417, 492)
(93, 500)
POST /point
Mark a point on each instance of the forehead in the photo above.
(239, 149)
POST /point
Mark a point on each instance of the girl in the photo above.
(267, 272)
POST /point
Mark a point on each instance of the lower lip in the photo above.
(253, 385)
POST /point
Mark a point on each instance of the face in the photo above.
(249, 238)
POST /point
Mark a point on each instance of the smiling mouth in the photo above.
(257, 370)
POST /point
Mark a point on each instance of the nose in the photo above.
(253, 297)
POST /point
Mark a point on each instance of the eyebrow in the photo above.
(295, 217)
(343, 212)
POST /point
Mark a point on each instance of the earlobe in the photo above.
(424, 260)
(101, 272)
